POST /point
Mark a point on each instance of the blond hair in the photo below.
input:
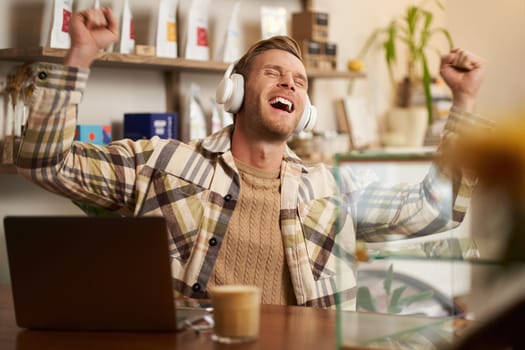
(280, 42)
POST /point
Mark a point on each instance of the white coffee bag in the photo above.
(197, 46)
(127, 30)
(230, 50)
(197, 120)
(166, 42)
(55, 24)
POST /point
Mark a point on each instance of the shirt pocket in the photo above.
(319, 223)
(181, 203)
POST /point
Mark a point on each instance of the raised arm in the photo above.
(440, 201)
(48, 155)
(463, 72)
(91, 31)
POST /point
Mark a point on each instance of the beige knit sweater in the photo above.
(252, 251)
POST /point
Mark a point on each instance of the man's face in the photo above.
(275, 95)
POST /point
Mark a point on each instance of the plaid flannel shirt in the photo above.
(195, 188)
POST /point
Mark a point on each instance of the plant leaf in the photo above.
(368, 43)
(440, 5)
(411, 18)
(394, 307)
(390, 49)
(429, 17)
(415, 297)
(365, 300)
(427, 80)
(387, 283)
(446, 34)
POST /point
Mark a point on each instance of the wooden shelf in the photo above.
(112, 59)
(333, 74)
(171, 67)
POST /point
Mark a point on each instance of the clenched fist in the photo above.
(91, 30)
(463, 72)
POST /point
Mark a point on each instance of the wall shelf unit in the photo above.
(117, 60)
(171, 67)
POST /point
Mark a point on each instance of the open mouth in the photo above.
(282, 104)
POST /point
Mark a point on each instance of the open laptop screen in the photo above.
(90, 273)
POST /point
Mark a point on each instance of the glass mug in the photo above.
(236, 313)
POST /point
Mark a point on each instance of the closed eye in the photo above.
(272, 72)
(300, 82)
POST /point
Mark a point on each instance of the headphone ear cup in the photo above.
(234, 102)
(230, 91)
(308, 118)
(224, 90)
(312, 120)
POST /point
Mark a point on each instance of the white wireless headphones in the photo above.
(230, 92)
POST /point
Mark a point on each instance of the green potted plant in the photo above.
(416, 31)
(396, 302)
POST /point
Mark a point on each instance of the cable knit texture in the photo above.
(252, 251)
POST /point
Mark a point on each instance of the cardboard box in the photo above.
(329, 61)
(318, 55)
(310, 25)
(312, 53)
(95, 134)
(146, 125)
(145, 50)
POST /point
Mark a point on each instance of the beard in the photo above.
(271, 129)
(262, 125)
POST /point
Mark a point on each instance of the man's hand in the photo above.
(91, 30)
(463, 72)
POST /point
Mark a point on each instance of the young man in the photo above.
(240, 206)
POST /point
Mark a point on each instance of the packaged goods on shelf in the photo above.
(82, 5)
(14, 115)
(219, 117)
(310, 25)
(273, 21)
(330, 56)
(127, 30)
(312, 54)
(55, 24)
(145, 50)
(197, 45)
(310, 30)
(216, 122)
(197, 120)
(93, 133)
(231, 50)
(319, 55)
(166, 41)
(146, 125)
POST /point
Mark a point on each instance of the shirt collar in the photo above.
(220, 142)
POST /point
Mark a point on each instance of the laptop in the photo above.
(92, 273)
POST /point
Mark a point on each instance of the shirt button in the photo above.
(42, 75)
(196, 287)
(212, 242)
(228, 197)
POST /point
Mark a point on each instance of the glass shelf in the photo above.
(421, 293)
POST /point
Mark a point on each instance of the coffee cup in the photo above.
(236, 313)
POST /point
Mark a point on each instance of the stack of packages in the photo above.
(13, 95)
(310, 29)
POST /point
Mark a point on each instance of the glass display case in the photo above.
(431, 291)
